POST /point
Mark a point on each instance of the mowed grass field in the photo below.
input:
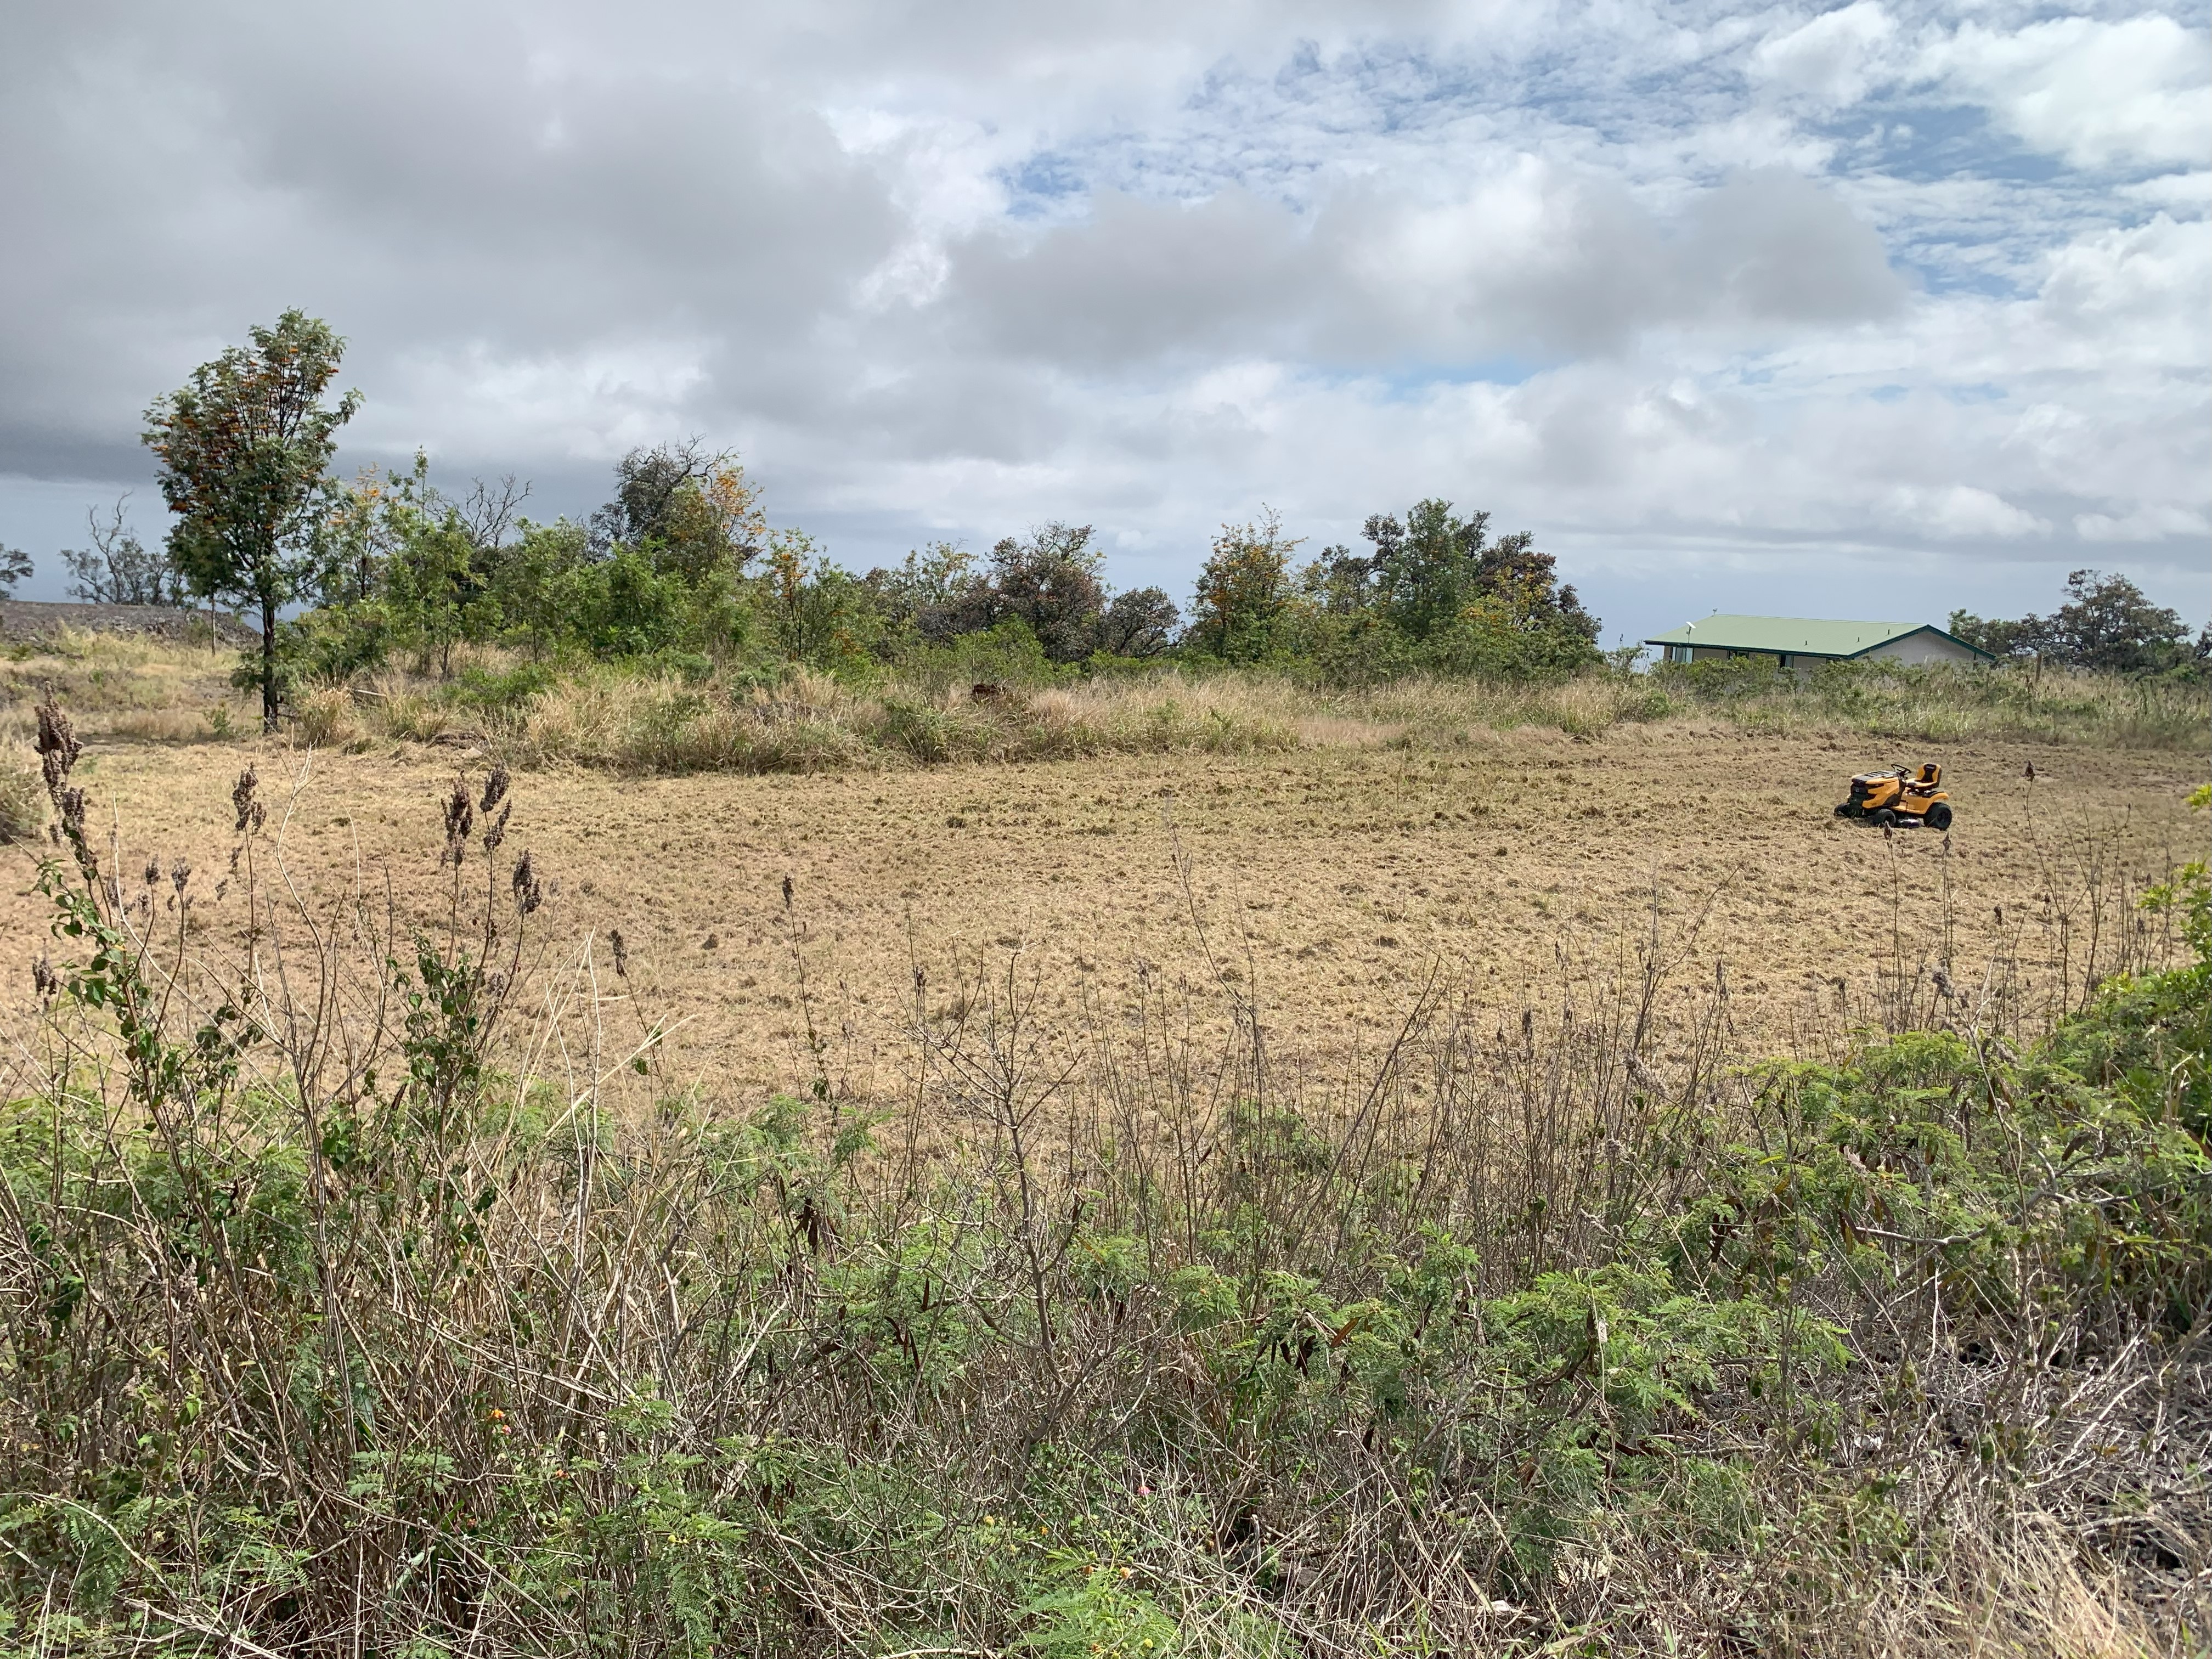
(1330, 884)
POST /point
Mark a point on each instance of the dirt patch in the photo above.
(1328, 886)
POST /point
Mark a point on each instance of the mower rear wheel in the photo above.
(1939, 814)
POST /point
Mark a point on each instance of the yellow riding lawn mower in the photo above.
(1903, 799)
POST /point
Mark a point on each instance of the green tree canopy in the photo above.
(2107, 623)
(245, 448)
(1244, 591)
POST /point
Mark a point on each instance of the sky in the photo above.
(1874, 312)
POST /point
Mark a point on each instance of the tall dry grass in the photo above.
(362, 1292)
(1939, 703)
(809, 722)
(135, 687)
(622, 718)
(610, 717)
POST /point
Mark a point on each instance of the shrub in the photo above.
(323, 718)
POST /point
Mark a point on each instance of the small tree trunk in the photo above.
(268, 666)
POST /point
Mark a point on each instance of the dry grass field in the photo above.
(1329, 883)
(1197, 1276)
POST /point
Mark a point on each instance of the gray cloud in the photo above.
(1536, 264)
(956, 269)
(179, 184)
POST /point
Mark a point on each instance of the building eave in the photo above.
(1925, 628)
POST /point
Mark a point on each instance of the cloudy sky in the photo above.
(1871, 311)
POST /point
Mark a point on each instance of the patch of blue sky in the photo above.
(1413, 383)
(1283, 136)
(1043, 185)
(1987, 237)
(1420, 94)
(1926, 142)
(1965, 208)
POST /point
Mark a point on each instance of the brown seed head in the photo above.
(494, 789)
(460, 818)
(70, 803)
(44, 979)
(181, 872)
(621, 952)
(57, 745)
(242, 797)
(528, 893)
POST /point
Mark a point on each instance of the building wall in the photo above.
(1912, 648)
(1800, 665)
(1923, 647)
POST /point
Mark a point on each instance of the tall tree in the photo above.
(1244, 590)
(692, 509)
(14, 566)
(1049, 578)
(1424, 568)
(245, 449)
(1438, 569)
(1140, 622)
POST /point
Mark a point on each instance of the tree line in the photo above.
(2107, 624)
(681, 565)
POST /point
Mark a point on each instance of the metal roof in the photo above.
(1797, 636)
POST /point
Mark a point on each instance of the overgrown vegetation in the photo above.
(656, 716)
(681, 569)
(2107, 625)
(370, 1292)
(675, 628)
(681, 574)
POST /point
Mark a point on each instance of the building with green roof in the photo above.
(1799, 642)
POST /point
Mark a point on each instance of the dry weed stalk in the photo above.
(341, 1314)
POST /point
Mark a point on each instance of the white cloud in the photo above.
(2179, 192)
(1531, 260)
(2148, 524)
(2136, 91)
(1962, 510)
(1834, 58)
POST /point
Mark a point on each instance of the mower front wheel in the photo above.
(1845, 809)
(1884, 817)
(1939, 815)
